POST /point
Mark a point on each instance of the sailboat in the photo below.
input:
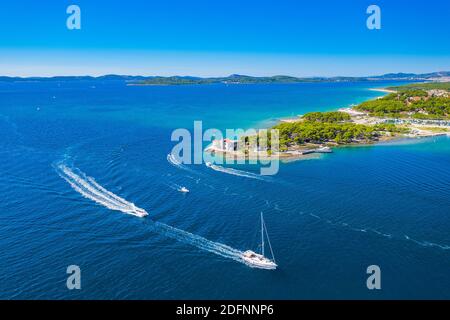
(257, 260)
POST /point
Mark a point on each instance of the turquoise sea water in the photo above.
(328, 218)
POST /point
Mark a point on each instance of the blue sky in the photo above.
(215, 38)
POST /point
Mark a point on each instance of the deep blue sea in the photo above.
(328, 218)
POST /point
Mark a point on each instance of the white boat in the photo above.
(208, 164)
(138, 211)
(184, 190)
(257, 260)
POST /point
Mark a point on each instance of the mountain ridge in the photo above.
(231, 79)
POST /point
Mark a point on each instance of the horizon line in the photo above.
(222, 76)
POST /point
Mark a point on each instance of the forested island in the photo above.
(140, 80)
(244, 79)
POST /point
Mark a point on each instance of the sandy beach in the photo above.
(383, 90)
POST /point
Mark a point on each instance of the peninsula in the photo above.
(414, 110)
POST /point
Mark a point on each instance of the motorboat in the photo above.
(138, 211)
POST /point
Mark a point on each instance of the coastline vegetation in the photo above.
(313, 130)
(332, 116)
(418, 101)
(423, 86)
(331, 127)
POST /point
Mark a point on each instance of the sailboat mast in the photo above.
(262, 234)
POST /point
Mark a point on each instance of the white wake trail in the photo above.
(177, 163)
(236, 172)
(90, 189)
(199, 242)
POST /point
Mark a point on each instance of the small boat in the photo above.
(138, 212)
(208, 164)
(184, 190)
(257, 260)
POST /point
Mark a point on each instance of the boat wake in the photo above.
(176, 162)
(386, 235)
(90, 189)
(177, 187)
(428, 243)
(199, 242)
(235, 172)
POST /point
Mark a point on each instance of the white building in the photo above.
(260, 149)
(230, 145)
(226, 144)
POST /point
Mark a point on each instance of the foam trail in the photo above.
(199, 242)
(90, 189)
(386, 235)
(236, 172)
(172, 186)
(428, 243)
(176, 163)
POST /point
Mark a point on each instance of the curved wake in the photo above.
(176, 163)
(363, 230)
(428, 243)
(236, 172)
(90, 189)
(386, 235)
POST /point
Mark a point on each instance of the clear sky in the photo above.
(221, 37)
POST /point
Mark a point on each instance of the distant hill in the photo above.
(244, 79)
(413, 76)
(232, 79)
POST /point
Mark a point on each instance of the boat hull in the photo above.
(255, 260)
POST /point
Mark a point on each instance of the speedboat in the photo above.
(138, 212)
(208, 164)
(257, 260)
(184, 190)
